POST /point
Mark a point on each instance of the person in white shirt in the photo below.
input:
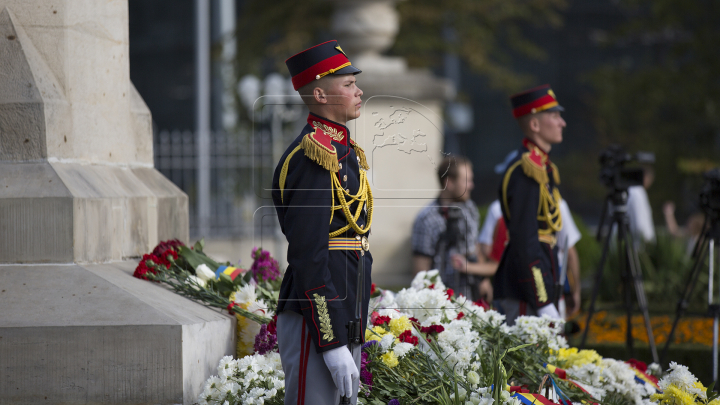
(639, 211)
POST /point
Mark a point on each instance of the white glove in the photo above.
(549, 310)
(343, 369)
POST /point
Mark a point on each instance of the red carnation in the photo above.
(450, 292)
(431, 286)
(230, 307)
(461, 315)
(414, 320)
(482, 303)
(637, 364)
(272, 326)
(381, 320)
(143, 267)
(432, 329)
(372, 288)
(163, 247)
(407, 337)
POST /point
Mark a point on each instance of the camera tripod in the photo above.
(704, 247)
(630, 269)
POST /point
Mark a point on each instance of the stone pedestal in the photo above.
(78, 189)
(400, 128)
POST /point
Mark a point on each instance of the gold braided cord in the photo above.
(331, 71)
(284, 171)
(549, 210)
(364, 196)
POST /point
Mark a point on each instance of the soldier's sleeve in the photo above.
(521, 197)
(307, 196)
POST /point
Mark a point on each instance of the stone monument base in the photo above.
(86, 334)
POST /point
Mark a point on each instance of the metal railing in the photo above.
(241, 168)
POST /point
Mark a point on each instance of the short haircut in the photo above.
(307, 91)
(450, 167)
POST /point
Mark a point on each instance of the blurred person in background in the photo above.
(444, 234)
(639, 210)
(525, 282)
(692, 229)
(493, 238)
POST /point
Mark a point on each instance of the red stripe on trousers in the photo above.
(305, 363)
(301, 373)
(522, 309)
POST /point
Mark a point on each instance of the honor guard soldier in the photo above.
(324, 204)
(525, 282)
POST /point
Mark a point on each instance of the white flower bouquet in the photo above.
(255, 379)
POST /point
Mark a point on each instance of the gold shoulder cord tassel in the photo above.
(323, 156)
(360, 154)
(532, 170)
(364, 196)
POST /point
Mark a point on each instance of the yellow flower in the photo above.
(400, 325)
(574, 357)
(375, 333)
(390, 359)
(674, 395)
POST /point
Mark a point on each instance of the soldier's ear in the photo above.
(534, 123)
(319, 95)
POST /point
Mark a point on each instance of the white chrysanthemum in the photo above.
(424, 279)
(259, 307)
(654, 369)
(425, 303)
(204, 272)
(678, 375)
(227, 367)
(459, 343)
(389, 312)
(245, 294)
(545, 330)
(401, 349)
(387, 341)
(195, 282)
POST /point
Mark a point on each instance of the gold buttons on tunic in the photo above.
(340, 165)
(347, 190)
(345, 177)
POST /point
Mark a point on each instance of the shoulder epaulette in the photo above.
(534, 167)
(318, 147)
(361, 154)
(556, 173)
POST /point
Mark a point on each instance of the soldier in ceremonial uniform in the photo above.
(525, 282)
(324, 204)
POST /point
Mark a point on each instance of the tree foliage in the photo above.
(486, 33)
(664, 95)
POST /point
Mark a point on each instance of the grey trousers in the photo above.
(512, 308)
(307, 378)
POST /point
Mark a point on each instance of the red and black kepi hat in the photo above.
(319, 61)
(535, 100)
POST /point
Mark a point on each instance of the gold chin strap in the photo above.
(364, 196)
(549, 210)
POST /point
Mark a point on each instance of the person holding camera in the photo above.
(525, 282)
(444, 234)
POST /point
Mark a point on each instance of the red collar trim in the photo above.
(532, 146)
(338, 132)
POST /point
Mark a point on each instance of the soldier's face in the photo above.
(345, 98)
(550, 127)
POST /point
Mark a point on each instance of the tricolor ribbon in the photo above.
(230, 271)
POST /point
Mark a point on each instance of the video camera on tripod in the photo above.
(618, 178)
(710, 193)
(613, 173)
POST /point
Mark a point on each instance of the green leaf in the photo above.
(195, 258)
(200, 245)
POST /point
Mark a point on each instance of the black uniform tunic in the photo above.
(315, 273)
(528, 269)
